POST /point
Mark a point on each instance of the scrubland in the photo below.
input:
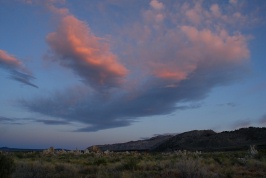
(133, 164)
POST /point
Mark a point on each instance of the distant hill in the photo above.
(200, 140)
(208, 140)
(140, 145)
(7, 149)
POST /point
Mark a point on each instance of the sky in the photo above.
(79, 73)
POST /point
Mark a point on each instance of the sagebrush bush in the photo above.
(139, 165)
(6, 166)
(44, 170)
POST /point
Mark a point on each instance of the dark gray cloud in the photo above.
(53, 122)
(21, 121)
(23, 78)
(5, 119)
(119, 108)
(12, 121)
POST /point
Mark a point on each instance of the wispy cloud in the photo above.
(10, 121)
(16, 69)
(22, 121)
(23, 78)
(229, 104)
(5, 119)
(178, 57)
(52, 122)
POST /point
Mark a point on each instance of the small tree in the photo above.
(6, 166)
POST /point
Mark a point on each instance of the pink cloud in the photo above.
(183, 52)
(167, 74)
(195, 13)
(87, 55)
(156, 4)
(215, 10)
(233, 1)
(218, 46)
(159, 17)
(9, 61)
(175, 71)
(50, 4)
(175, 54)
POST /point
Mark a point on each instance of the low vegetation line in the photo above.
(185, 164)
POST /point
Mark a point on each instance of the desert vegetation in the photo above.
(184, 164)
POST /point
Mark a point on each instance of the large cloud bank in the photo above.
(173, 53)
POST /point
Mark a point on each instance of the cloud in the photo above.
(220, 46)
(229, 104)
(121, 107)
(9, 62)
(21, 121)
(156, 4)
(179, 59)
(194, 14)
(215, 10)
(5, 119)
(233, 1)
(8, 121)
(78, 49)
(52, 122)
(16, 69)
(23, 78)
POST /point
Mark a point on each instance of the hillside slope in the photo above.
(140, 145)
(208, 140)
(196, 140)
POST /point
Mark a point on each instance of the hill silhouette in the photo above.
(196, 140)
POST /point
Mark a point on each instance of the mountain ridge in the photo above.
(195, 140)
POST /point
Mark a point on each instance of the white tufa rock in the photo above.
(252, 150)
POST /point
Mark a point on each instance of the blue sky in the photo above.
(79, 73)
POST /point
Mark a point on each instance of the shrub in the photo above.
(130, 164)
(6, 166)
(100, 161)
(44, 170)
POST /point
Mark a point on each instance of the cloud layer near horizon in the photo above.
(165, 59)
(16, 69)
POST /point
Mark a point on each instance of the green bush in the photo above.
(6, 166)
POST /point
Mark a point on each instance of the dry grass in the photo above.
(138, 165)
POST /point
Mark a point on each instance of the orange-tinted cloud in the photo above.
(194, 14)
(9, 61)
(202, 49)
(88, 56)
(217, 46)
(156, 4)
